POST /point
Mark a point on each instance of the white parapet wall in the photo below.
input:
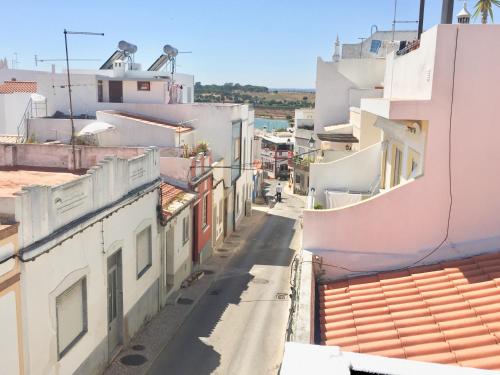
(357, 172)
(43, 209)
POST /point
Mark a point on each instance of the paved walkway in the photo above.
(246, 263)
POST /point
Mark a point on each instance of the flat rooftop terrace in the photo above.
(13, 180)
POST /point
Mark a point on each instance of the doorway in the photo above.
(195, 233)
(115, 302)
(116, 91)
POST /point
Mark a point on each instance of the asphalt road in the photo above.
(239, 326)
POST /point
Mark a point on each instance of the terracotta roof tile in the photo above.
(445, 313)
(11, 87)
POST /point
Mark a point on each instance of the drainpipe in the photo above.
(421, 18)
(447, 12)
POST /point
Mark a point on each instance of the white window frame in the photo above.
(146, 267)
(204, 211)
(61, 352)
(185, 230)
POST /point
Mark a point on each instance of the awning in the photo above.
(341, 138)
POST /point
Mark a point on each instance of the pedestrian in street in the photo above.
(279, 189)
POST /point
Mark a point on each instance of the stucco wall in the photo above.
(358, 171)
(404, 224)
(12, 107)
(11, 338)
(156, 94)
(134, 132)
(43, 209)
(86, 255)
(334, 88)
(51, 129)
(410, 76)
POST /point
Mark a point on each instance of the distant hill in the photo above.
(271, 103)
(228, 88)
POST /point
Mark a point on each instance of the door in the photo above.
(116, 91)
(115, 302)
(195, 233)
(169, 254)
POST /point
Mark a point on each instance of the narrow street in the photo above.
(239, 326)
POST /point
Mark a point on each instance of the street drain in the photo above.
(185, 301)
(259, 281)
(133, 360)
(215, 292)
(223, 250)
(223, 256)
(208, 272)
(138, 347)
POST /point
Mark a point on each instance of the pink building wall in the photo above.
(401, 226)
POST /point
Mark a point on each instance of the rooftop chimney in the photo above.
(463, 16)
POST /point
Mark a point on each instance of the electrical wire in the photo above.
(450, 191)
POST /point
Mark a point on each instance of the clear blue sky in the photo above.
(268, 42)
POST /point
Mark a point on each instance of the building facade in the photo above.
(88, 245)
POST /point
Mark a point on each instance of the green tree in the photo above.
(485, 8)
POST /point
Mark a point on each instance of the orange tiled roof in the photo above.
(446, 313)
(168, 193)
(10, 87)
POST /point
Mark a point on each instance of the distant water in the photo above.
(270, 124)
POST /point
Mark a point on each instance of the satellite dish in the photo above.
(127, 47)
(170, 51)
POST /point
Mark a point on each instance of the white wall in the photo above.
(410, 76)
(181, 252)
(352, 51)
(41, 209)
(134, 132)
(45, 129)
(334, 82)
(155, 95)
(218, 201)
(12, 108)
(85, 255)
(9, 339)
(357, 172)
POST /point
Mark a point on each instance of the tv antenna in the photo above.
(15, 61)
(395, 21)
(38, 60)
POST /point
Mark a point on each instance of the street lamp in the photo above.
(66, 32)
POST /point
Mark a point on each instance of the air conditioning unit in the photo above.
(248, 207)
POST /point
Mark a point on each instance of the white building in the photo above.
(89, 249)
(342, 82)
(275, 154)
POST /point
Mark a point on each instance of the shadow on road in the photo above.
(268, 244)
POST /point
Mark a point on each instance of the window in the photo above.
(185, 230)
(143, 244)
(100, 91)
(220, 212)
(143, 86)
(71, 315)
(205, 211)
(237, 203)
(236, 151)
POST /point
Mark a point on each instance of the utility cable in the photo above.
(450, 185)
